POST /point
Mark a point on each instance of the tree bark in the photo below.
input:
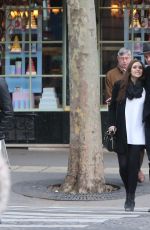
(85, 165)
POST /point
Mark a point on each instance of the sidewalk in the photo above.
(54, 173)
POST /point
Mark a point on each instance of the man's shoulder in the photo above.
(2, 80)
(113, 70)
(147, 73)
(114, 74)
(147, 69)
(3, 84)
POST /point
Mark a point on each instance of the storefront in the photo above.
(120, 23)
(33, 50)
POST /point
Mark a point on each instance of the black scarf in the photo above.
(134, 90)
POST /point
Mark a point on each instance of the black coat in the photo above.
(6, 110)
(117, 118)
(146, 112)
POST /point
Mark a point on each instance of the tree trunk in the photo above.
(85, 166)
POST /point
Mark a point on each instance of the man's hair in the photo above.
(124, 51)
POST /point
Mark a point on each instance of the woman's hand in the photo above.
(112, 129)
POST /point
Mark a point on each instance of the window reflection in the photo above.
(52, 20)
(52, 59)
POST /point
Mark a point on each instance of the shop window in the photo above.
(31, 50)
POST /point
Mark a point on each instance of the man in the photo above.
(124, 57)
(6, 114)
(146, 53)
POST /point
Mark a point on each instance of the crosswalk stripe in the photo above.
(42, 226)
(56, 217)
(54, 214)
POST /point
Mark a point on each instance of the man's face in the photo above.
(147, 58)
(123, 61)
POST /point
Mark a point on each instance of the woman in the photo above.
(126, 120)
(6, 114)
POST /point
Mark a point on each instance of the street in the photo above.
(60, 217)
(33, 213)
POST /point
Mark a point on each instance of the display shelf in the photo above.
(24, 40)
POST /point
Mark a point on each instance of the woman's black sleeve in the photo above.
(113, 104)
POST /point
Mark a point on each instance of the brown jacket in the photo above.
(112, 76)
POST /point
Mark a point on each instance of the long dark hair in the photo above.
(127, 79)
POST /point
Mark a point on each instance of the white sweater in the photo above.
(134, 124)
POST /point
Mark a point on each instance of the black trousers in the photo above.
(147, 136)
(129, 165)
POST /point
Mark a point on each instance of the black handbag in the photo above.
(110, 141)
